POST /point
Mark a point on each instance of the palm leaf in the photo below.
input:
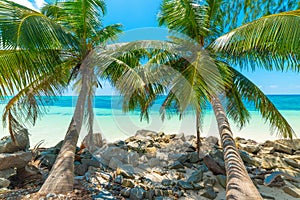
(270, 42)
(251, 93)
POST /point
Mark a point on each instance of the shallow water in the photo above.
(116, 125)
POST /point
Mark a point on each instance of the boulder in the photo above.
(250, 148)
(6, 173)
(7, 145)
(294, 192)
(213, 166)
(196, 177)
(14, 160)
(114, 163)
(209, 193)
(145, 133)
(212, 140)
(154, 162)
(176, 165)
(137, 193)
(133, 158)
(282, 148)
(292, 162)
(185, 185)
(222, 179)
(92, 142)
(103, 194)
(125, 192)
(48, 160)
(114, 152)
(4, 183)
(247, 158)
(293, 144)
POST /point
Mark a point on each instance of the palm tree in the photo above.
(204, 21)
(44, 63)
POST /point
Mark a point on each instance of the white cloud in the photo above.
(24, 3)
(40, 3)
(273, 86)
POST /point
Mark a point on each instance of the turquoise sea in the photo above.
(116, 125)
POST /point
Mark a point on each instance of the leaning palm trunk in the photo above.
(198, 131)
(61, 177)
(239, 185)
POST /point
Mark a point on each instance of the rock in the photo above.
(293, 144)
(125, 171)
(194, 157)
(48, 160)
(7, 145)
(151, 152)
(294, 192)
(92, 141)
(274, 180)
(292, 162)
(183, 158)
(6, 173)
(209, 193)
(213, 166)
(15, 160)
(284, 149)
(125, 192)
(203, 167)
(114, 163)
(176, 165)
(29, 172)
(185, 185)
(80, 169)
(119, 179)
(154, 162)
(272, 177)
(180, 136)
(128, 183)
(212, 140)
(166, 182)
(210, 182)
(137, 193)
(90, 162)
(114, 152)
(4, 183)
(51, 195)
(145, 133)
(133, 158)
(268, 143)
(196, 177)
(104, 195)
(150, 194)
(250, 148)
(222, 180)
(269, 163)
(247, 158)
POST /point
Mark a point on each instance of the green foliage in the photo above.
(42, 52)
(267, 42)
(272, 42)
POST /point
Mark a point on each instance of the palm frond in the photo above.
(272, 42)
(28, 104)
(251, 93)
(106, 34)
(25, 24)
(185, 16)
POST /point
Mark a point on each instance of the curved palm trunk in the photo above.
(61, 177)
(239, 185)
(198, 131)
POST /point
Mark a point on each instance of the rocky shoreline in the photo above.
(154, 165)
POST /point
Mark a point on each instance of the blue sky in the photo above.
(139, 20)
